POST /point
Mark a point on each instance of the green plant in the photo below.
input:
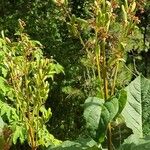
(80, 144)
(111, 26)
(102, 36)
(25, 74)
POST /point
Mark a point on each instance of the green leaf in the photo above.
(9, 111)
(79, 144)
(98, 114)
(109, 111)
(146, 105)
(19, 133)
(47, 139)
(132, 112)
(135, 143)
(3, 85)
(92, 113)
(46, 114)
(122, 99)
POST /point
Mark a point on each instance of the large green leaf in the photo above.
(132, 112)
(92, 114)
(135, 143)
(98, 114)
(146, 105)
(109, 111)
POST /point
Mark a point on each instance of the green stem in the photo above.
(104, 71)
(114, 80)
(109, 138)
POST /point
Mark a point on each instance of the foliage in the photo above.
(132, 112)
(103, 45)
(136, 143)
(104, 36)
(79, 144)
(47, 22)
(106, 52)
(27, 89)
(98, 114)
